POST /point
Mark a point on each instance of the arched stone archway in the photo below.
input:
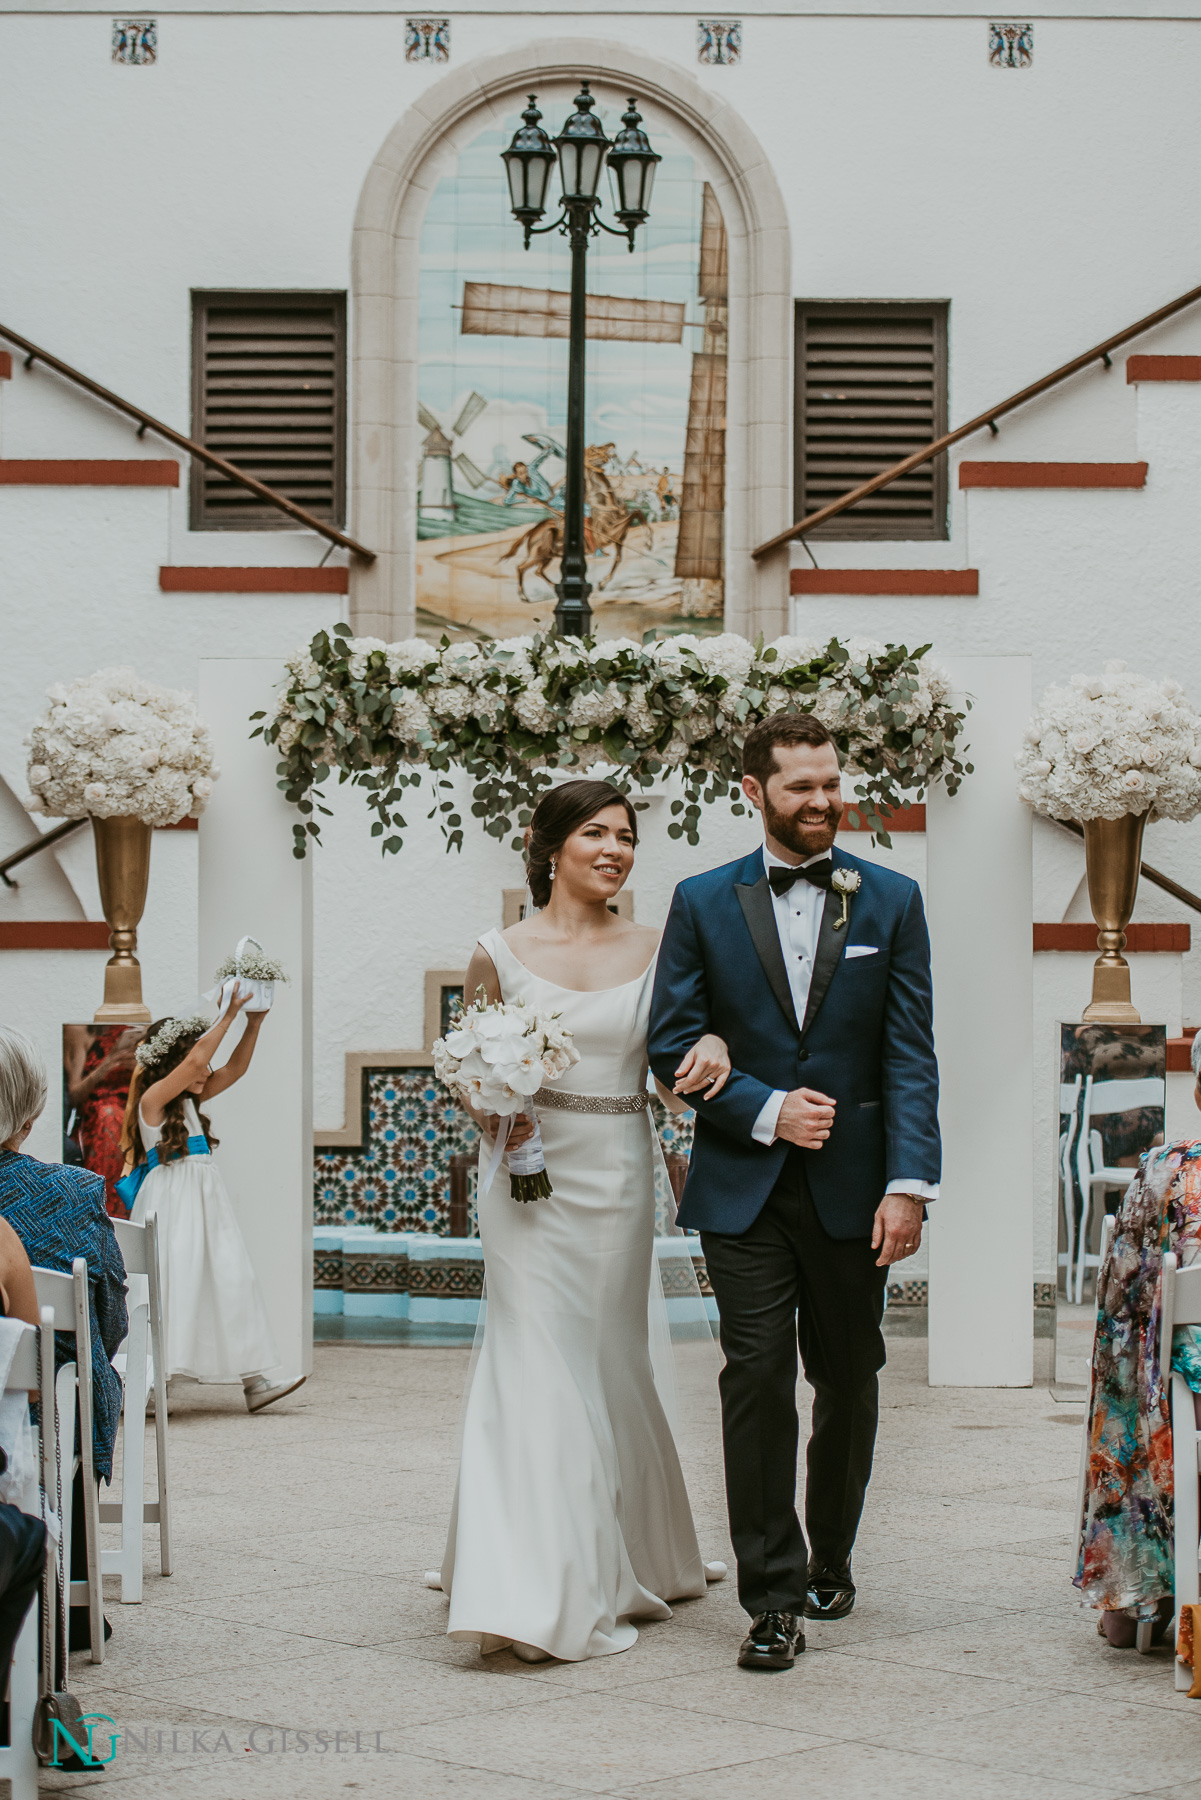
(385, 444)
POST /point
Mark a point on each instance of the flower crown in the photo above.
(153, 1050)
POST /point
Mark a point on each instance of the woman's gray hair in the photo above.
(23, 1082)
(1194, 1056)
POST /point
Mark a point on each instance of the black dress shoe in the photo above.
(774, 1641)
(830, 1591)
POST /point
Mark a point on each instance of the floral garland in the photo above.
(509, 711)
(1111, 744)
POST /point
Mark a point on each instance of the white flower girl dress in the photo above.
(217, 1327)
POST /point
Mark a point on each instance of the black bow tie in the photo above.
(819, 873)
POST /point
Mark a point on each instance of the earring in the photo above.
(553, 861)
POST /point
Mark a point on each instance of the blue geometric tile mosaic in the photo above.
(398, 1178)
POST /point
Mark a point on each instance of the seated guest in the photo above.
(1126, 1564)
(58, 1213)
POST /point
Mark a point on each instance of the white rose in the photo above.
(38, 772)
(95, 793)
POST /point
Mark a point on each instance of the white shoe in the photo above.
(259, 1392)
(715, 1571)
(433, 1579)
(530, 1653)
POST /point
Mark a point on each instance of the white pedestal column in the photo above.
(979, 900)
(251, 882)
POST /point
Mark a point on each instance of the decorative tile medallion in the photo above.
(399, 1177)
(1011, 46)
(427, 40)
(908, 1293)
(719, 40)
(135, 40)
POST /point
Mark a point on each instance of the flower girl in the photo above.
(217, 1327)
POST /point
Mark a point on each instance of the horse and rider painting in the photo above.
(492, 399)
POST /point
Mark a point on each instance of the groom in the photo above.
(810, 1168)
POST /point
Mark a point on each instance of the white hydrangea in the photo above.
(116, 746)
(361, 650)
(592, 709)
(532, 709)
(1106, 745)
(410, 656)
(642, 721)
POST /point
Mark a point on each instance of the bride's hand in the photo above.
(707, 1065)
(521, 1128)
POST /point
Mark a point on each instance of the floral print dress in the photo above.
(1126, 1556)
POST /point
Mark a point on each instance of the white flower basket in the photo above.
(244, 979)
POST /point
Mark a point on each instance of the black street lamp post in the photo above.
(581, 147)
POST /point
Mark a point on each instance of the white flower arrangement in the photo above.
(495, 1059)
(1111, 744)
(252, 964)
(510, 710)
(115, 746)
(247, 971)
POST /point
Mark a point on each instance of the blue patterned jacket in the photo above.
(58, 1213)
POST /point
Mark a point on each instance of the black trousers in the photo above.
(787, 1284)
(22, 1555)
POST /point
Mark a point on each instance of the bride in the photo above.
(570, 1518)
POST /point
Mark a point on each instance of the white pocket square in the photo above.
(862, 950)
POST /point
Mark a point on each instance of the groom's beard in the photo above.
(803, 840)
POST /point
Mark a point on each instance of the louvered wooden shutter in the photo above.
(871, 386)
(269, 394)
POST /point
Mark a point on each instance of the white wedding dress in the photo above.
(571, 1518)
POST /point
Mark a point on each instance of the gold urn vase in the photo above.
(123, 866)
(1112, 854)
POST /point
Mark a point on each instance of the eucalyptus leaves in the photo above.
(509, 711)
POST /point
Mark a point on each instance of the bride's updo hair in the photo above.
(556, 816)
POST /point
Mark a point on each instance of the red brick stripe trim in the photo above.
(1138, 937)
(53, 934)
(181, 825)
(1163, 368)
(178, 580)
(906, 818)
(885, 581)
(1180, 1056)
(47, 472)
(1052, 475)
(6, 365)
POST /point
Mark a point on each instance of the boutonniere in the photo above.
(845, 882)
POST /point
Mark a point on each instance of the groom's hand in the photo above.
(806, 1118)
(897, 1231)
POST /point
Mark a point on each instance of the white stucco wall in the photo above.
(1045, 205)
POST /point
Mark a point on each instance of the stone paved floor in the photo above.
(297, 1605)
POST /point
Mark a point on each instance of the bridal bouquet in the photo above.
(495, 1059)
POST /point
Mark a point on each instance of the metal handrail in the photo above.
(147, 423)
(1099, 353)
(1155, 876)
(43, 841)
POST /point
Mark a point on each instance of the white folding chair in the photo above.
(18, 1763)
(142, 1364)
(1069, 1108)
(68, 1295)
(1092, 1174)
(1181, 1305)
(1108, 1225)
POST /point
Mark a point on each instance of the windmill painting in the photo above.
(493, 394)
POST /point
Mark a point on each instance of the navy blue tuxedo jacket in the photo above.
(866, 1040)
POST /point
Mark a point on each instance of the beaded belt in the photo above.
(591, 1103)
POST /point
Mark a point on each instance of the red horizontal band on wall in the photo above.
(6, 365)
(1138, 937)
(53, 934)
(885, 581)
(1180, 1056)
(1163, 368)
(1052, 475)
(905, 818)
(181, 825)
(178, 580)
(62, 472)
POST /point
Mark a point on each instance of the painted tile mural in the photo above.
(493, 395)
(399, 1179)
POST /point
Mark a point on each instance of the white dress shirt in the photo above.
(798, 921)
